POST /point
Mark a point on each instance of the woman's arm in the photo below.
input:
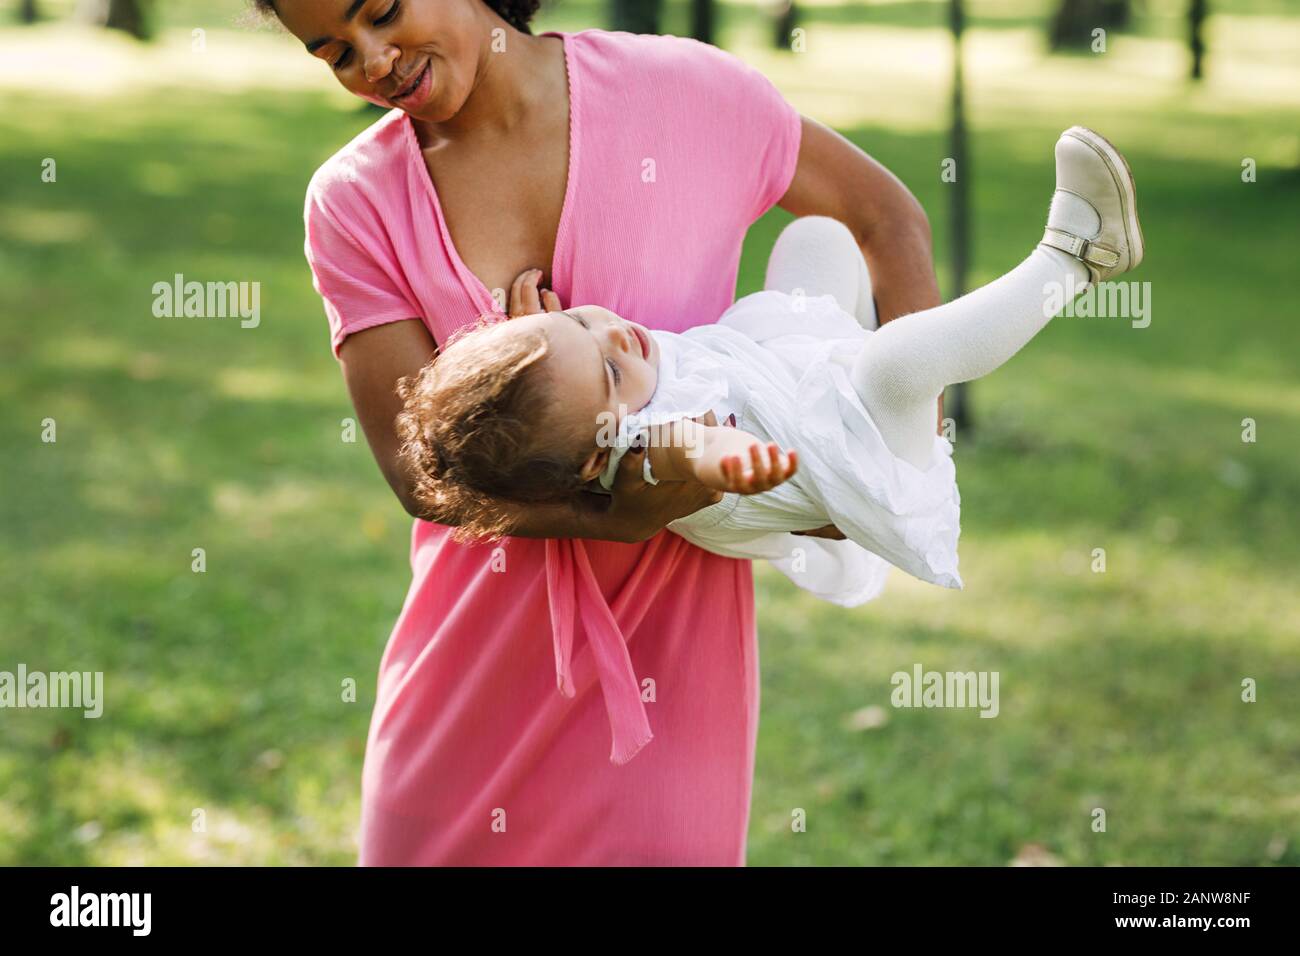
(373, 361)
(834, 178)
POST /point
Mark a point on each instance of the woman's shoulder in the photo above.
(366, 165)
(640, 45)
(658, 58)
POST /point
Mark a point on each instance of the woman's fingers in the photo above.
(516, 299)
(641, 509)
(631, 472)
(524, 299)
(551, 301)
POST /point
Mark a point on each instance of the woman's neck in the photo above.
(511, 87)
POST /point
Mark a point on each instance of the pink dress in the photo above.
(522, 679)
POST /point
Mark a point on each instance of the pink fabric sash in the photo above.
(575, 594)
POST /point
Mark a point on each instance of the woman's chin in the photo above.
(429, 112)
(434, 111)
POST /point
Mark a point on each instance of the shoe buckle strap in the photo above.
(1103, 257)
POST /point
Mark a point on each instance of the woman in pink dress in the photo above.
(586, 690)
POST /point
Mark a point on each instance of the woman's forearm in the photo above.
(543, 520)
(565, 521)
(900, 254)
(902, 272)
(373, 361)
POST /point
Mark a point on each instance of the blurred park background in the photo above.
(189, 152)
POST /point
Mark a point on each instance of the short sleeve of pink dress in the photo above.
(568, 702)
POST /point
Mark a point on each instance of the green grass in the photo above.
(1118, 690)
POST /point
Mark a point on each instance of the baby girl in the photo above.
(815, 416)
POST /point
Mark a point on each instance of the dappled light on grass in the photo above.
(44, 227)
(232, 61)
(898, 77)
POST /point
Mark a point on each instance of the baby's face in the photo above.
(600, 364)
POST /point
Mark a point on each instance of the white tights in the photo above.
(906, 364)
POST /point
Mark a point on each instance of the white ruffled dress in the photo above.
(779, 364)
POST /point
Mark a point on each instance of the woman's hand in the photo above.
(527, 299)
(641, 510)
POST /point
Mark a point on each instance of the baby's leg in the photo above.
(816, 255)
(1092, 234)
(907, 363)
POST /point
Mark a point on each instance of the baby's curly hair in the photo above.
(471, 433)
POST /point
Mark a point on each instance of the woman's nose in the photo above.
(378, 62)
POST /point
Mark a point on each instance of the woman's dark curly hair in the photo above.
(473, 435)
(517, 13)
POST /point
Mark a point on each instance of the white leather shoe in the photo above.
(1094, 209)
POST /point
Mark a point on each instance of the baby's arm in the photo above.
(726, 459)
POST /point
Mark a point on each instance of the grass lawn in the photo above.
(1119, 690)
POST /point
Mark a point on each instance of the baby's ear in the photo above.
(595, 464)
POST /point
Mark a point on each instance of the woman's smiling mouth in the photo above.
(417, 91)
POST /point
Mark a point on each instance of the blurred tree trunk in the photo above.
(1075, 20)
(27, 12)
(127, 16)
(702, 20)
(1196, 14)
(783, 24)
(957, 401)
(635, 16)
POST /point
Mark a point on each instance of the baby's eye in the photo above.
(390, 15)
(618, 376)
(342, 60)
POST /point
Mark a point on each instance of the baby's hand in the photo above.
(764, 472)
(527, 299)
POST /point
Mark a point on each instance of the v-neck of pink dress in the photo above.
(568, 702)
